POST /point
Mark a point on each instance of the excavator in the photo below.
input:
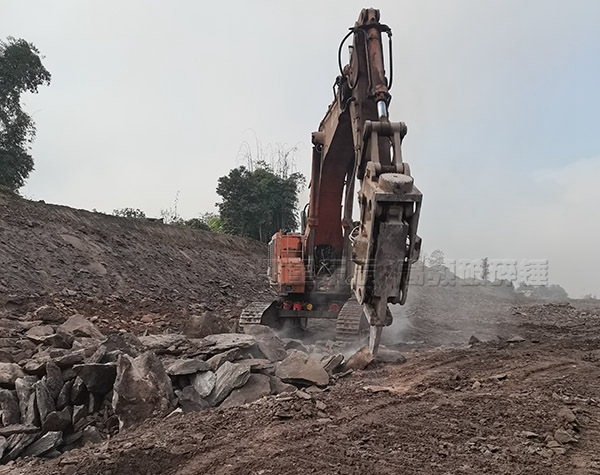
(338, 268)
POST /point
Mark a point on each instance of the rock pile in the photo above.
(65, 385)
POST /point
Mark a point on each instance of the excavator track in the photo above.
(253, 313)
(351, 324)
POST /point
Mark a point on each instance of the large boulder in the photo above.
(268, 342)
(297, 368)
(142, 389)
(229, 376)
(78, 326)
(9, 372)
(258, 386)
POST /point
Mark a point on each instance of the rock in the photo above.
(387, 356)
(19, 443)
(515, 339)
(292, 344)
(225, 341)
(6, 357)
(9, 407)
(268, 342)
(18, 429)
(563, 437)
(40, 333)
(476, 385)
(48, 314)
(147, 319)
(303, 395)
(79, 326)
(24, 389)
(297, 368)
(530, 435)
(203, 383)
(359, 360)
(98, 378)
(258, 386)
(44, 401)
(58, 420)
(258, 365)
(566, 415)
(229, 376)
(78, 391)
(553, 444)
(31, 415)
(53, 379)
(164, 343)
(126, 343)
(142, 389)
(206, 324)
(79, 412)
(216, 361)
(9, 372)
(279, 387)
(45, 443)
(474, 340)
(64, 397)
(188, 366)
(332, 363)
(3, 445)
(91, 435)
(191, 401)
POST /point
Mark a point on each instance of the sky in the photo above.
(152, 100)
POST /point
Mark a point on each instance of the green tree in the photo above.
(258, 203)
(21, 70)
(129, 213)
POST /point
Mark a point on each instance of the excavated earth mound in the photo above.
(131, 274)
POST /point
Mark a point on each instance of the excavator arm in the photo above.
(356, 140)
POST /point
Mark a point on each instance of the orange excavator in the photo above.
(337, 267)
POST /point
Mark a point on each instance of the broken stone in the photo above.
(279, 387)
(142, 389)
(206, 324)
(24, 389)
(530, 435)
(31, 414)
(40, 333)
(476, 385)
(58, 420)
(45, 443)
(91, 435)
(258, 365)
(216, 361)
(567, 415)
(359, 360)
(3, 445)
(79, 326)
(293, 344)
(53, 379)
(258, 386)
(44, 401)
(78, 391)
(474, 340)
(268, 342)
(387, 356)
(303, 395)
(19, 443)
(563, 437)
(98, 378)
(9, 372)
(48, 314)
(18, 429)
(515, 339)
(191, 401)
(189, 366)
(9, 407)
(332, 363)
(297, 368)
(225, 341)
(126, 343)
(229, 376)
(163, 343)
(79, 412)
(64, 397)
(203, 383)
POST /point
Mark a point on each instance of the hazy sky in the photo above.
(501, 99)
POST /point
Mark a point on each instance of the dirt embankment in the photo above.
(120, 269)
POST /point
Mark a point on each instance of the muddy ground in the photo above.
(522, 400)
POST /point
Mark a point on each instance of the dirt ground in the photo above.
(496, 406)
